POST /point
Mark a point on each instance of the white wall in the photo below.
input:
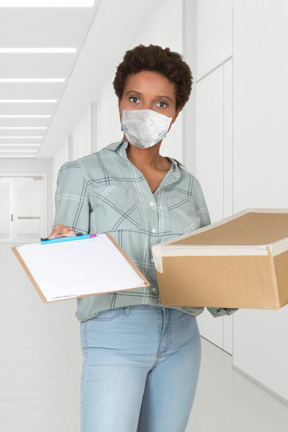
(108, 123)
(60, 157)
(77, 145)
(82, 135)
(214, 34)
(241, 152)
(260, 167)
(260, 109)
(189, 42)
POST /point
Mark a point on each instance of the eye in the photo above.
(162, 104)
(134, 99)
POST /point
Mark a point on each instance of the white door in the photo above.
(6, 210)
(23, 214)
(29, 209)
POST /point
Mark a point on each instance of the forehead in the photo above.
(151, 83)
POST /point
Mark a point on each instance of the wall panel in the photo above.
(214, 34)
(209, 141)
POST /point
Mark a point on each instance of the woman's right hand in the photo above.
(61, 230)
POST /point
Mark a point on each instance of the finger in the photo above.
(61, 230)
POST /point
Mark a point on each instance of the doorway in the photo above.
(23, 208)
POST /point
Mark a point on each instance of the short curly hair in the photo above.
(156, 59)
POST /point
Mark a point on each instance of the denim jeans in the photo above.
(140, 370)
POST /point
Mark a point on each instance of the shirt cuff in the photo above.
(218, 312)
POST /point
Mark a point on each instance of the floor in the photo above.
(40, 365)
(227, 401)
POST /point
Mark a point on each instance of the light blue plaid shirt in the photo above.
(105, 193)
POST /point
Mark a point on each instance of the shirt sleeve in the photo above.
(71, 200)
(201, 207)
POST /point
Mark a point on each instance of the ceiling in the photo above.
(41, 108)
(27, 107)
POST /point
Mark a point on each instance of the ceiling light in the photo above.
(28, 100)
(22, 127)
(32, 80)
(21, 137)
(46, 3)
(25, 116)
(20, 145)
(18, 156)
(18, 151)
(37, 50)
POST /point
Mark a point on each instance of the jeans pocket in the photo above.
(97, 331)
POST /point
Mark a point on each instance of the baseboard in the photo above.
(259, 384)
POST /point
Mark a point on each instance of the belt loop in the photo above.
(127, 310)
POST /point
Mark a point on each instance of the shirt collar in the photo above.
(121, 147)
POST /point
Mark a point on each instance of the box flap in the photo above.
(243, 234)
(253, 228)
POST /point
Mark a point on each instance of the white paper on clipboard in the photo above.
(74, 269)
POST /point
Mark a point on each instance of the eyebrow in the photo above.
(157, 97)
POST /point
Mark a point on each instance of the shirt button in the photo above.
(154, 289)
(154, 230)
(151, 204)
(152, 260)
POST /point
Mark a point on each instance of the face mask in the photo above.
(144, 128)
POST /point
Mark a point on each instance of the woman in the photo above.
(141, 360)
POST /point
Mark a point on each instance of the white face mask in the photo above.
(144, 128)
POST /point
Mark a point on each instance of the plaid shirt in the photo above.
(105, 193)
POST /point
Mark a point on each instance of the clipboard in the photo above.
(66, 270)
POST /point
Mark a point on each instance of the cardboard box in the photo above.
(239, 262)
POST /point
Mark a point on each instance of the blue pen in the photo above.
(68, 238)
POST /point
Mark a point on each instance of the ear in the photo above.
(119, 109)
